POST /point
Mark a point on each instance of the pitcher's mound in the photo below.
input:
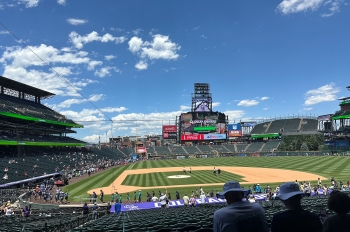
(178, 176)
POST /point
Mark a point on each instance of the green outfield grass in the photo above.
(339, 167)
(161, 178)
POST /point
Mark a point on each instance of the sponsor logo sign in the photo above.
(170, 128)
(214, 136)
(234, 133)
(169, 135)
(192, 137)
(234, 127)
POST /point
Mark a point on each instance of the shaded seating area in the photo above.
(163, 150)
(191, 149)
(254, 147)
(270, 145)
(30, 108)
(230, 147)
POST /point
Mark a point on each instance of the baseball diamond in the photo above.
(152, 174)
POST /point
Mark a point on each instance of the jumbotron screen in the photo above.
(203, 126)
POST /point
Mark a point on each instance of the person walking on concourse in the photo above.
(295, 218)
(238, 215)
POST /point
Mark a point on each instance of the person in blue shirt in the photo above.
(117, 207)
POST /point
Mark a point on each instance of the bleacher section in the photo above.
(29, 108)
(309, 125)
(270, 145)
(260, 128)
(47, 161)
(185, 218)
(276, 126)
(162, 150)
(241, 147)
(205, 149)
(230, 147)
(178, 150)
(191, 149)
(127, 150)
(151, 150)
(254, 147)
(116, 153)
(291, 125)
(218, 148)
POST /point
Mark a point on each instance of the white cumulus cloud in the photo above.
(247, 103)
(295, 6)
(79, 41)
(141, 65)
(61, 2)
(322, 94)
(264, 98)
(106, 71)
(30, 3)
(76, 22)
(161, 47)
(109, 57)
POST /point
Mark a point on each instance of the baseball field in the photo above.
(156, 175)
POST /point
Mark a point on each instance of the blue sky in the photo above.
(138, 60)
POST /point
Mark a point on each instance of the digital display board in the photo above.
(203, 126)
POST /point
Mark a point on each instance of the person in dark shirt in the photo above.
(85, 208)
(108, 208)
(339, 202)
(295, 218)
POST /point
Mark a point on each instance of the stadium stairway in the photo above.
(262, 147)
(247, 147)
(268, 126)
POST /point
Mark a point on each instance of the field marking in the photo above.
(251, 175)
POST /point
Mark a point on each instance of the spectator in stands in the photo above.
(186, 200)
(108, 209)
(339, 202)
(251, 198)
(192, 201)
(202, 197)
(163, 200)
(8, 211)
(154, 198)
(224, 218)
(118, 207)
(295, 218)
(85, 208)
(26, 211)
(94, 211)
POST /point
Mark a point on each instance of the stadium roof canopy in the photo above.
(344, 98)
(18, 86)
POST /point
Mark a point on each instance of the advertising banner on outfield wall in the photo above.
(172, 135)
(234, 133)
(169, 128)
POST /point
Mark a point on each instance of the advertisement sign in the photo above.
(236, 126)
(234, 133)
(248, 124)
(192, 137)
(214, 136)
(203, 123)
(169, 128)
(172, 135)
(326, 117)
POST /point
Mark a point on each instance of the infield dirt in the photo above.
(250, 176)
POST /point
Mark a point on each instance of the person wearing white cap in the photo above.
(227, 219)
(295, 218)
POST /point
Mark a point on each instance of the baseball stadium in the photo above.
(53, 182)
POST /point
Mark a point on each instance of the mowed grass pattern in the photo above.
(161, 178)
(327, 166)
